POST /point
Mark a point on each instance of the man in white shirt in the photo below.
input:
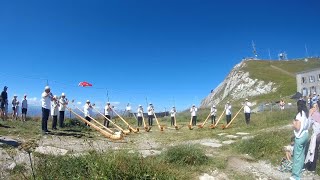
(46, 98)
(87, 111)
(173, 115)
(128, 110)
(228, 112)
(54, 111)
(213, 114)
(247, 111)
(62, 108)
(24, 107)
(107, 113)
(139, 115)
(150, 114)
(193, 111)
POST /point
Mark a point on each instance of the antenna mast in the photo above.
(254, 50)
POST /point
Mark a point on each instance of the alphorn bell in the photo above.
(224, 127)
(201, 125)
(212, 126)
(130, 127)
(160, 127)
(124, 131)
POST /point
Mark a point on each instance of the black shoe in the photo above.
(47, 131)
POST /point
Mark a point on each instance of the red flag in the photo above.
(84, 84)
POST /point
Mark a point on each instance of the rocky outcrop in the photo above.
(238, 85)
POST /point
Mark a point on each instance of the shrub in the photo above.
(185, 155)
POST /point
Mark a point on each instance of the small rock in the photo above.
(206, 176)
(211, 144)
(222, 134)
(146, 153)
(246, 137)
(12, 165)
(232, 136)
(51, 150)
(242, 133)
(228, 142)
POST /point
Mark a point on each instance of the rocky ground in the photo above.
(11, 155)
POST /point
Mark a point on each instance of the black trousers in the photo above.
(61, 119)
(45, 117)
(311, 166)
(88, 119)
(247, 117)
(106, 122)
(194, 120)
(213, 119)
(139, 121)
(172, 121)
(54, 122)
(228, 117)
(150, 120)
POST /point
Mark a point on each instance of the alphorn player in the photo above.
(193, 111)
(139, 115)
(62, 108)
(150, 114)
(247, 111)
(54, 111)
(228, 112)
(213, 112)
(173, 114)
(87, 111)
(107, 113)
(46, 98)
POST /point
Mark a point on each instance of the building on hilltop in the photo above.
(308, 82)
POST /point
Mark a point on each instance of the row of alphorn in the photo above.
(119, 134)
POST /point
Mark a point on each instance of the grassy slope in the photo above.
(262, 70)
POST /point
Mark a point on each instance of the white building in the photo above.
(308, 82)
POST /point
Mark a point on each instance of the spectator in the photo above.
(24, 107)
(4, 103)
(14, 107)
(301, 138)
(312, 154)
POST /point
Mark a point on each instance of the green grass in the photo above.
(286, 84)
(185, 155)
(111, 165)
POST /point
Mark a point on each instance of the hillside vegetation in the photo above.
(286, 83)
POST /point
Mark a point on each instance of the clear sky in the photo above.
(170, 52)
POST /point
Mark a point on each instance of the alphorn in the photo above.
(130, 127)
(146, 128)
(212, 126)
(159, 126)
(124, 131)
(175, 122)
(190, 124)
(201, 125)
(112, 136)
(224, 127)
(109, 130)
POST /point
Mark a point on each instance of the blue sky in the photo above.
(170, 52)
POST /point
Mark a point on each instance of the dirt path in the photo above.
(283, 71)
